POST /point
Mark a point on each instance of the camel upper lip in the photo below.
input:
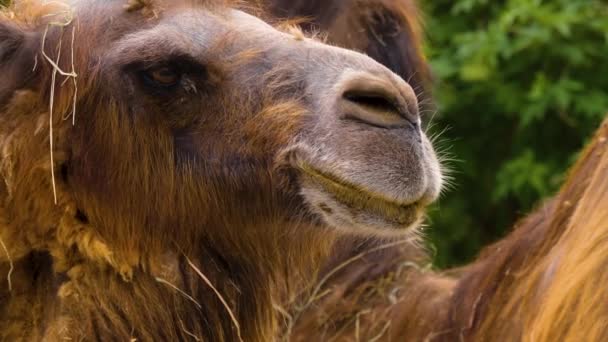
(359, 198)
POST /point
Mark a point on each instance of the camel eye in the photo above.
(164, 76)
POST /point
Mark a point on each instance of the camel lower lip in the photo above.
(356, 198)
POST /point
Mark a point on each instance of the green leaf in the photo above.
(475, 72)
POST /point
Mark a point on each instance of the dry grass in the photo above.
(66, 18)
(180, 291)
(220, 297)
(11, 266)
(318, 293)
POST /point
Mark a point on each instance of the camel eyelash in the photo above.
(167, 76)
(161, 77)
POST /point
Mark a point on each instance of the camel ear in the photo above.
(394, 37)
(389, 31)
(17, 58)
(11, 38)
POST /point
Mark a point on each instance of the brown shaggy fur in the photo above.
(98, 230)
(122, 270)
(544, 282)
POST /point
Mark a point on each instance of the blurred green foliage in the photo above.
(521, 85)
(4, 2)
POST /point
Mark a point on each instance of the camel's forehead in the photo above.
(176, 11)
(192, 21)
(197, 23)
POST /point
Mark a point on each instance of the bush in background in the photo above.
(521, 85)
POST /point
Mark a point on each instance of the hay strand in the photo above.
(180, 291)
(181, 323)
(381, 333)
(11, 266)
(51, 106)
(220, 297)
(57, 70)
(315, 294)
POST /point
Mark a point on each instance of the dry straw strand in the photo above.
(316, 294)
(68, 19)
(180, 291)
(220, 297)
(51, 106)
(181, 323)
(381, 333)
(11, 266)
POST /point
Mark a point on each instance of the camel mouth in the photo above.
(358, 203)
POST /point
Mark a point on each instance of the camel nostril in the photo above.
(379, 102)
(372, 101)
